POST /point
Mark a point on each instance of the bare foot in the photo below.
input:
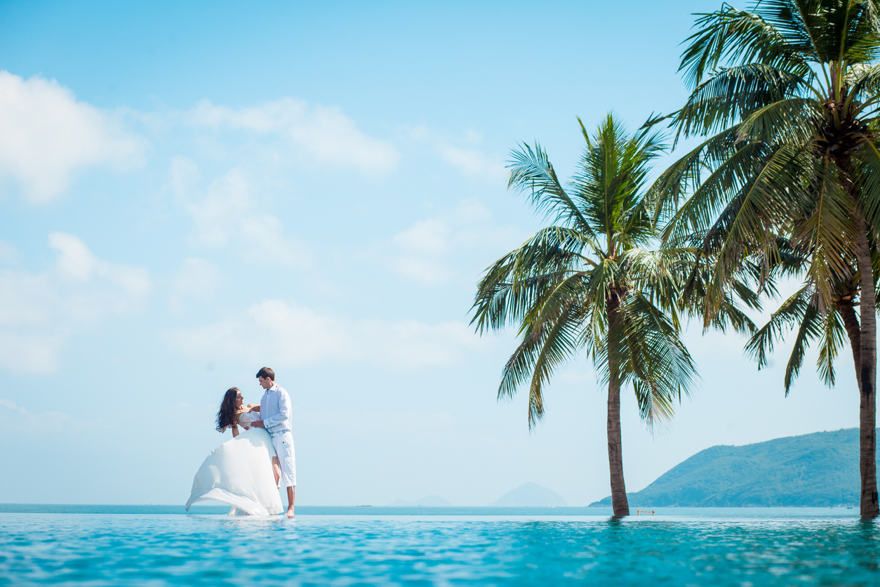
(290, 513)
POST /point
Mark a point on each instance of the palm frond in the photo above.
(532, 172)
(830, 343)
(656, 360)
(809, 329)
(789, 314)
(544, 346)
(867, 178)
(513, 284)
(685, 174)
(610, 177)
(733, 93)
(790, 119)
(737, 37)
(764, 203)
(827, 230)
(798, 22)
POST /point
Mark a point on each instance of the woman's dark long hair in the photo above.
(226, 414)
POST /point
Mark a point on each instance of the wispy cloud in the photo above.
(197, 280)
(420, 251)
(19, 418)
(290, 334)
(49, 135)
(224, 215)
(8, 253)
(426, 251)
(40, 311)
(324, 133)
(464, 154)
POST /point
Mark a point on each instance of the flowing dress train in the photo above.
(239, 473)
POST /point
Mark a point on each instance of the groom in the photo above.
(276, 415)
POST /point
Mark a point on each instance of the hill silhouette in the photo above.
(819, 469)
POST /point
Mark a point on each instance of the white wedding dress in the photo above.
(239, 473)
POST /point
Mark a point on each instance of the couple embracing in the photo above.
(247, 471)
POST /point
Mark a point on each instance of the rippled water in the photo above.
(345, 549)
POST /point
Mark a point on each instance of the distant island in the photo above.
(819, 470)
(430, 501)
(530, 495)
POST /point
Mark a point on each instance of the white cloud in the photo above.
(75, 260)
(218, 214)
(289, 334)
(225, 215)
(19, 418)
(40, 311)
(421, 269)
(184, 177)
(420, 249)
(25, 298)
(468, 159)
(425, 236)
(474, 163)
(8, 253)
(269, 244)
(324, 133)
(412, 344)
(426, 250)
(48, 135)
(196, 280)
(25, 352)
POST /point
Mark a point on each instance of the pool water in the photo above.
(732, 548)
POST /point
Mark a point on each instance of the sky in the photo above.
(190, 191)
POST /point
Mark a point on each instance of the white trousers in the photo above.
(284, 450)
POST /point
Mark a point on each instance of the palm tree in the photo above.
(804, 313)
(788, 94)
(586, 283)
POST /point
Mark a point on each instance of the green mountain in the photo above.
(820, 469)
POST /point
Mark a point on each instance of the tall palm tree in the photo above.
(586, 283)
(788, 94)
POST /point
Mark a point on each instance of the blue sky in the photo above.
(189, 191)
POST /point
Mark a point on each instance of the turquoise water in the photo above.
(125, 545)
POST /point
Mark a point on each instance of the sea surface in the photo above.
(158, 545)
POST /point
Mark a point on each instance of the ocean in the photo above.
(161, 545)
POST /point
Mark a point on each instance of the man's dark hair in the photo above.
(266, 372)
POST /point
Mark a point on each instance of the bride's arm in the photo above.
(234, 431)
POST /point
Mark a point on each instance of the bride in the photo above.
(241, 472)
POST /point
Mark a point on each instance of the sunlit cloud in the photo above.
(41, 311)
(49, 136)
(426, 251)
(464, 154)
(224, 215)
(197, 280)
(290, 334)
(324, 133)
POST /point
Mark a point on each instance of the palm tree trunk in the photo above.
(867, 375)
(619, 502)
(851, 323)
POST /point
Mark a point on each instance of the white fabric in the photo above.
(286, 457)
(276, 410)
(239, 473)
(247, 418)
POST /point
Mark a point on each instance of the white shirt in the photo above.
(276, 410)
